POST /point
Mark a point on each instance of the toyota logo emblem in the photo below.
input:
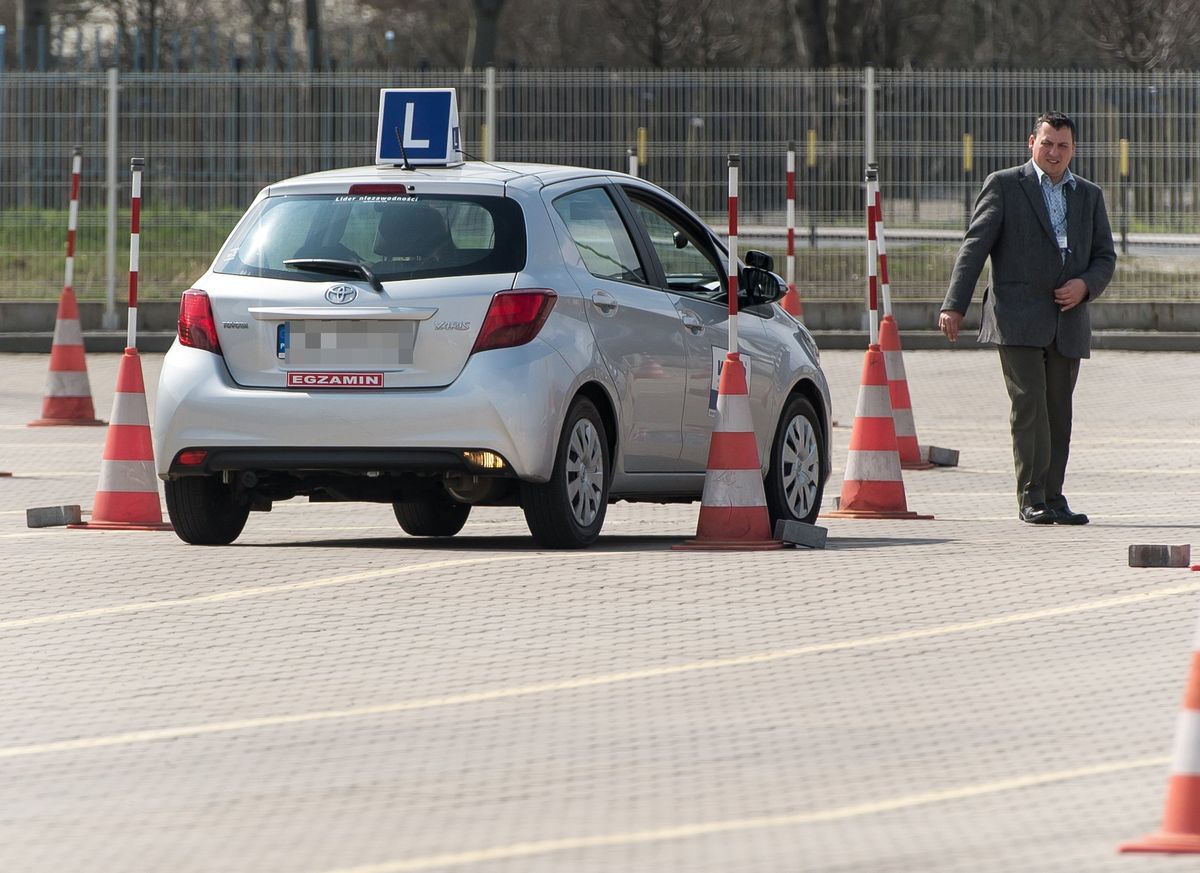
(340, 294)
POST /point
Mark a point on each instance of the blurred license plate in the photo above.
(341, 343)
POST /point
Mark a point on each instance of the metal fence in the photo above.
(213, 140)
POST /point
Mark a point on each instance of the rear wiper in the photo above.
(333, 267)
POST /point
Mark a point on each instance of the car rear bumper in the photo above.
(507, 401)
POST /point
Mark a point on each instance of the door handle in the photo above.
(605, 302)
(692, 322)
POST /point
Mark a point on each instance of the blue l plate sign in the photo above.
(426, 120)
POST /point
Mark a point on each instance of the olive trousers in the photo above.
(1040, 383)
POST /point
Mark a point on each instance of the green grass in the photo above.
(177, 247)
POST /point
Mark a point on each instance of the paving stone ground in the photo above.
(328, 695)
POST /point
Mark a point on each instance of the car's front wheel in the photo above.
(794, 485)
(205, 511)
(568, 511)
(432, 516)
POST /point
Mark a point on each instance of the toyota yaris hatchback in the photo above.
(532, 336)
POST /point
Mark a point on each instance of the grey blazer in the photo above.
(1012, 225)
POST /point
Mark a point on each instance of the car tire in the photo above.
(794, 485)
(433, 516)
(568, 511)
(205, 511)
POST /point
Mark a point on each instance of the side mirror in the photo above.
(681, 241)
(758, 284)
(760, 261)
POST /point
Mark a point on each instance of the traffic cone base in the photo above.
(1165, 844)
(733, 506)
(876, 513)
(127, 497)
(118, 525)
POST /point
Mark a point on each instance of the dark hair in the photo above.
(1057, 120)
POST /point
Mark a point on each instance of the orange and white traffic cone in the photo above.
(873, 486)
(68, 398)
(1180, 833)
(127, 496)
(733, 507)
(902, 414)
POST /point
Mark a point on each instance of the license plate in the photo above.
(342, 343)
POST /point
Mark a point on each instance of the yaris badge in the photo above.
(340, 294)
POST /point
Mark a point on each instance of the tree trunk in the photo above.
(312, 21)
(33, 15)
(485, 28)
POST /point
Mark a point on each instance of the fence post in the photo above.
(811, 196)
(1124, 196)
(869, 113)
(109, 319)
(489, 102)
(968, 164)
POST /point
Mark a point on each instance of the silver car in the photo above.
(520, 335)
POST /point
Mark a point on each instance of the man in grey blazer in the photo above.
(1047, 234)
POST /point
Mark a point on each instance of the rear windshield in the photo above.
(396, 236)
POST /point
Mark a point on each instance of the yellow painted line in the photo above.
(735, 825)
(572, 684)
(243, 593)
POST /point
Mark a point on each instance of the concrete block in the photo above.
(941, 457)
(1159, 556)
(53, 516)
(797, 533)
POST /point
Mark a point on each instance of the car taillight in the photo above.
(514, 318)
(197, 327)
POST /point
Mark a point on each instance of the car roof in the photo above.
(474, 174)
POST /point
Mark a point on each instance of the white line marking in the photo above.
(494, 694)
(725, 826)
(243, 593)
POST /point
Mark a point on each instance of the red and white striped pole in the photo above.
(884, 285)
(73, 217)
(872, 281)
(135, 247)
(735, 161)
(791, 300)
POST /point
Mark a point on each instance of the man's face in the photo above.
(1052, 150)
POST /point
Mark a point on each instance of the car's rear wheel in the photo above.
(431, 516)
(794, 485)
(568, 511)
(205, 511)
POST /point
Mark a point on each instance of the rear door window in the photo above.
(397, 237)
(600, 235)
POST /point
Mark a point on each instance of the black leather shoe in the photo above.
(1064, 515)
(1038, 513)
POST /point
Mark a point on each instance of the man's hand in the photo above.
(949, 322)
(1070, 295)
